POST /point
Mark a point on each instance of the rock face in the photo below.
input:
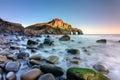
(11, 28)
(56, 26)
(84, 74)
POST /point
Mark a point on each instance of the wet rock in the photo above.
(32, 74)
(33, 50)
(14, 48)
(101, 68)
(4, 53)
(55, 70)
(3, 58)
(75, 61)
(119, 41)
(31, 42)
(73, 51)
(36, 57)
(84, 74)
(1, 78)
(65, 38)
(32, 47)
(101, 41)
(53, 59)
(12, 66)
(1, 71)
(22, 55)
(11, 76)
(48, 41)
(41, 45)
(12, 57)
(2, 64)
(34, 62)
(47, 76)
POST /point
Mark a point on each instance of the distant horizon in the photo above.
(91, 16)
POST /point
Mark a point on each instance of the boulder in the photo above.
(1, 77)
(101, 68)
(84, 74)
(52, 59)
(22, 55)
(41, 45)
(73, 51)
(34, 62)
(75, 61)
(32, 74)
(65, 38)
(101, 41)
(1, 71)
(47, 76)
(33, 50)
(119, 41)
(12, 66)
(36, 57)
(11, 76)
(14, 48)
(4, 53)
(48, 41)
(55, 70)
(31, 42)
(3, 58)
(12, 57)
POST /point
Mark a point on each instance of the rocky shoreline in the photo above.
(34, 58)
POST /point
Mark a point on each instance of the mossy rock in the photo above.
(53, 59)
(73, 51)
(84, 74)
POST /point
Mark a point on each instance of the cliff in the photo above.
(56, 26)
(10, 28)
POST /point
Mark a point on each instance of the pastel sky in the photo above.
(92, 16)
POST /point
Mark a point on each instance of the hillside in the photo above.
(56, 26)
(10, 28)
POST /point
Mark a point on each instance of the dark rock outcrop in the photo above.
(10, 28)
(101, 41)
(56, 26)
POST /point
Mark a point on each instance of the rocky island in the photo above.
(56, 26)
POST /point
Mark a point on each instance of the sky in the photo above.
(92, 16)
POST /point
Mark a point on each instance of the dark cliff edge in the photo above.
(10, 28)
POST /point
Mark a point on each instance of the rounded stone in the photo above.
(31, 74)
(11, 76)
(47, 76)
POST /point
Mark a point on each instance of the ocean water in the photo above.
(107, 54)
(91, 53)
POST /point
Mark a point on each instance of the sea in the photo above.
(91, 52)
(107, 54)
